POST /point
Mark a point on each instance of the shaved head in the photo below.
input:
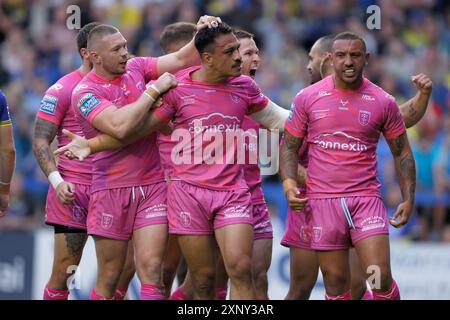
(98, 33)
(324, 44)
(176, 35)
(319, 58)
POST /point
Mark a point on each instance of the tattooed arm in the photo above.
(406, 173)
(44, 133)
(414, 109)
(288, 170)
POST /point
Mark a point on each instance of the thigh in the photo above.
(110, 252)
(374, 253)
(235, 242)
(173, 253)
(261, 255)
(69, 247)
(304, 265)
(150, 243)
(335, 270)
(199, 251)
(358, 276)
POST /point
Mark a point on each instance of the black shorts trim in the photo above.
(64, 229)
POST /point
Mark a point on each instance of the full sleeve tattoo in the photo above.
(44, 133)
(404, 165)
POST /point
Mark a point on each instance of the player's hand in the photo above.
(208, 21)
(77, 149)
(296, 203)
(4, 200)
(423, 83)
(65, 191)
(404, 211)
(165, 82)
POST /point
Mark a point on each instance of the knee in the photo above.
(335, 280)
(204, 281)
(169, 270)
(301, 287)
(260, 279)
(240, 268)
(150, 267)
(110, 276)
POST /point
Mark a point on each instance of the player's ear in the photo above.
(367, 58)
(207, 58)
(95, 58)
(84, 53)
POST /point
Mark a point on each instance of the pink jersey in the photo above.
(165, 146)
(252, 173)
(343, 128)
(165, 143)
(55, 107)
(136, 164)
(202, 112)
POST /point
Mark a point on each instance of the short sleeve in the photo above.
(147, 66)
(89, 103)
(256, 99)
(394, 126)
(297, 122)
(54, 105)
(5, 119)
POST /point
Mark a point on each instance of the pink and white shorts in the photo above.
(193, 210)
(262, 224)
(339, 223)
(71, 215)
(117, 213)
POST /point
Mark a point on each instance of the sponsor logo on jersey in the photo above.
(48, 104)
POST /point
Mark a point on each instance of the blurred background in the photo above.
(36, 48)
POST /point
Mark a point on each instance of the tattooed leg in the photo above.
(67, 256)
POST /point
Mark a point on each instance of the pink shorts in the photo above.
(339, 223)
(298, 229)
(71, 215)
(195, 210)
(262, 225)
(117, 213)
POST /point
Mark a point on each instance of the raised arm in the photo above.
(7, 163)
(272, 116)
(188, 55)
(289, 170)
(406, 174)
(414, 109)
